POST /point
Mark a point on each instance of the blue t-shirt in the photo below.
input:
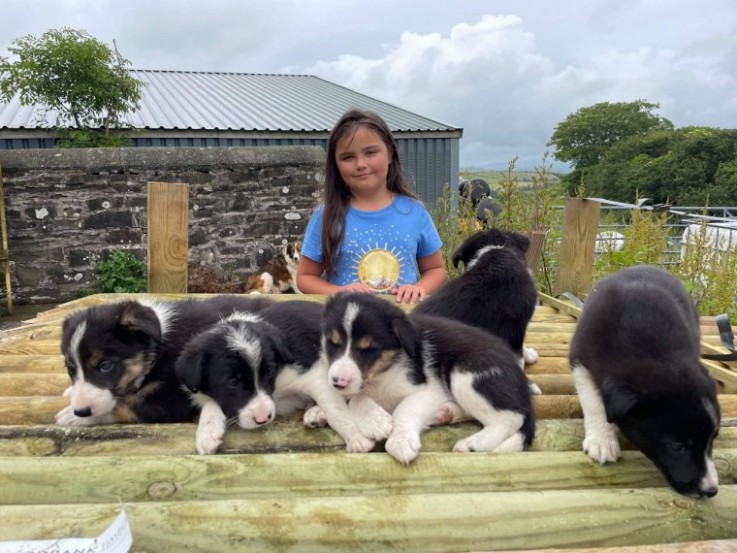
(380, 248)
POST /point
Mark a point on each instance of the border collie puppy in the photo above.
(416, 366)
(496, 291)
(635, 361)
(278, 274)
(120, 358)
(249, 367)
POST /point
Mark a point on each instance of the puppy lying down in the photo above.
(251, 367)
(423, 370)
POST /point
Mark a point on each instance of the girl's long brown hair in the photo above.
(337, 195)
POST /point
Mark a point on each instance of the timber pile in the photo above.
(284, 487)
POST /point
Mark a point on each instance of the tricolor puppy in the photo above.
(249, 368)
(496, 291)
(417, 366)
(279, 274)
(635, 361)
(120, 358)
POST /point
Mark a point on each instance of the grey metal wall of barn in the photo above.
(429, 163)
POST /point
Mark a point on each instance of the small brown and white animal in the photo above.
(278, 274)
(416, 367)
(120, 358)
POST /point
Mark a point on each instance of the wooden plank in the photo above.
(417, 522)
(167, 236)
(39, 364)
(281, 436)
(192, 477)
(576, 264)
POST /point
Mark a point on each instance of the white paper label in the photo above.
(116, 538)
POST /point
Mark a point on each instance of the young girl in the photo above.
(371, 233)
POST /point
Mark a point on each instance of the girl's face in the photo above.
(363, 161)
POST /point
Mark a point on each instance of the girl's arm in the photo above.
(310, 281)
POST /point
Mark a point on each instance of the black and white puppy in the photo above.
(496, 291)
(249, 368)
(635, 361)
(416, 366)
(120, 358)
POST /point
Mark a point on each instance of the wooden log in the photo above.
(282, 436)
(416, 522)
(30, 384)
(168, 219)
(41, 410)
(58, 480)
(40, 364)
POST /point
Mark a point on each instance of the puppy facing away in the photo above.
(418, 366)
(278, 274)
(635, 362)
(249, 368)
(496, 291)
(120, 358)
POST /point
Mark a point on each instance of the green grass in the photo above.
(495, 177)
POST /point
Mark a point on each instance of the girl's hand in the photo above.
(409, 293)
(357, 287)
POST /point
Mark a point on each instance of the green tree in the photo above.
(75, 77)
(585, 136)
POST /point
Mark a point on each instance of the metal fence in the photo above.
(714, 227)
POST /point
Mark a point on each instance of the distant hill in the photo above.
(494, 177)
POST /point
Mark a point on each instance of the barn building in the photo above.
(209, 109)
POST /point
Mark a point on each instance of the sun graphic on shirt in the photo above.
(378, 268)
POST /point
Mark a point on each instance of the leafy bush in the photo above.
(532, 206)
(122, 272)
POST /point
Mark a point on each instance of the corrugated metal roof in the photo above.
(188, 100)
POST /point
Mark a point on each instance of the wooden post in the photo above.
(168, 218)
(576, 268)
(4, 254)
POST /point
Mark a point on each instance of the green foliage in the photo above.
(585, 136)
(710, 275)
(527, 207)
(74, 76)
(645, 242)
(122, 272)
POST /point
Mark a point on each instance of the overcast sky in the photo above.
(505, 71)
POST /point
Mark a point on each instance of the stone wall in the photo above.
(67, 209)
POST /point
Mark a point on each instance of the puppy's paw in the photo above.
(467, 445)
(208, 438)
(67, 392)
(403, 446)
(377, 426)
(530, 355)
(535, 389)
(358, 443)
(66, 417)
(602, 448)
(314, 417)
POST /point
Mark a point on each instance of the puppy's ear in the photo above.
(619, 399)
(406, 333)
(189, 367)
(135, 317)
(462, 254)
(519, 241)
(283, 354)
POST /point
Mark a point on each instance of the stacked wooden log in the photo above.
(286, 487)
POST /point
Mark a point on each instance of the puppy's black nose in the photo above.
(708, 492)
(84, 412)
